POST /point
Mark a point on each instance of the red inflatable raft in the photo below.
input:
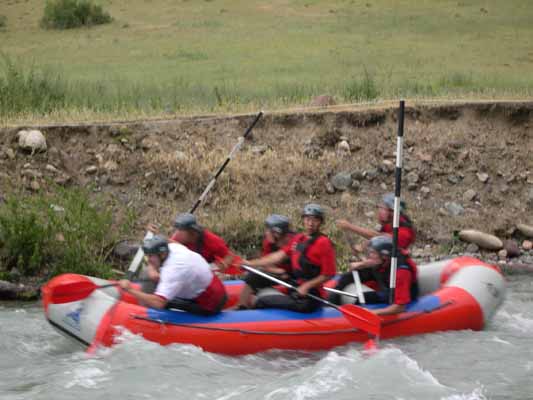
(461, 293)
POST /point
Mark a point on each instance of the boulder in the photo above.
(33, 141)
(512, 248)
(469, 195)
(526, 230)
(343, 147)
(483, 240)
(472, 248)
(341, 181)
(483, 177)
(454, 208)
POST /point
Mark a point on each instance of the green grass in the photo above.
(165, 56)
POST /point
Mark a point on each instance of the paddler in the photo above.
(184, 279)
(374, 271)
(277, 235)
(312, 262)
(406, 234)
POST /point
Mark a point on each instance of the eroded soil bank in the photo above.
(466, 165)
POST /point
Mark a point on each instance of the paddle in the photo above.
(135, 264)
(359, 317)
(75, 291)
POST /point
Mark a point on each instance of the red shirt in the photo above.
(406, 234)
(268, 247)
(405, 278)
(320, 253)
(210, 246)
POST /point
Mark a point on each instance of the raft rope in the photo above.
(251, 332)
(242, 331)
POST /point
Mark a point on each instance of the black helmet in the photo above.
(313, 209)
(277, 223)
(186, 221)
(388, 201)
(381, 244)
(155, 245)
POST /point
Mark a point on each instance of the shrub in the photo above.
(68, 14)
(55, 233)
(3, 22)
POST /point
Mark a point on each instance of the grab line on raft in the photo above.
(243, 331)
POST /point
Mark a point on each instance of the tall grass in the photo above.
(64, 231)
(28, 89)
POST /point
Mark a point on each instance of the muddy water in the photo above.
(38, 363)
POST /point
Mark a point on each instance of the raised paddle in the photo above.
(136, 262)
(359, 317)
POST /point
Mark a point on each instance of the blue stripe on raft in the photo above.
(426, 303)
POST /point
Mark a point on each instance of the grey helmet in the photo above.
(186, 222)
(313, 209)
(388, 201)
(155, 245)
(278, 223)
(382, 245)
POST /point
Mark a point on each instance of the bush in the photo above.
(3, 22)
(69, 14)
(57, 233)
(29, 89)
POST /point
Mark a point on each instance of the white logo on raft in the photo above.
(493, 290)
(72, 319)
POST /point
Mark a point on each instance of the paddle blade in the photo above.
(362, 319)
(73, 291)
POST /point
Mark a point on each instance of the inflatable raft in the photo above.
(455, 294)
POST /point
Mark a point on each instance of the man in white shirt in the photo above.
(184, 279)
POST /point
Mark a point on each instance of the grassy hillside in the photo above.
(168, 56)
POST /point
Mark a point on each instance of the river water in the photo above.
(497, 363)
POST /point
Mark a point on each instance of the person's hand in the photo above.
(153, 228)
(303, 290)
(124, 284)
(153, 274)
(354, 266)
(342, 224)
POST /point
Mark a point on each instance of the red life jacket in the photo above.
(212, 297)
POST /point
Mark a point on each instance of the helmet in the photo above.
(155, 245)
(277, 223)
(313, 209)
(186, 221)
(388, 201)
(382, 245)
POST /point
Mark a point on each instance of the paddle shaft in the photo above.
(226, 162)
(397, 198)
(136, 262)
(288, 285)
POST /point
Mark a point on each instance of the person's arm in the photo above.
(364, 232)
(355, 266)
(389, 310)
(150, 300)
(268, 260)
(305, 287)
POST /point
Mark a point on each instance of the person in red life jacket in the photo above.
(184, 279)
(312, 259)
(375, 272)
(406, 231)
(202, 241)
(277, 235)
